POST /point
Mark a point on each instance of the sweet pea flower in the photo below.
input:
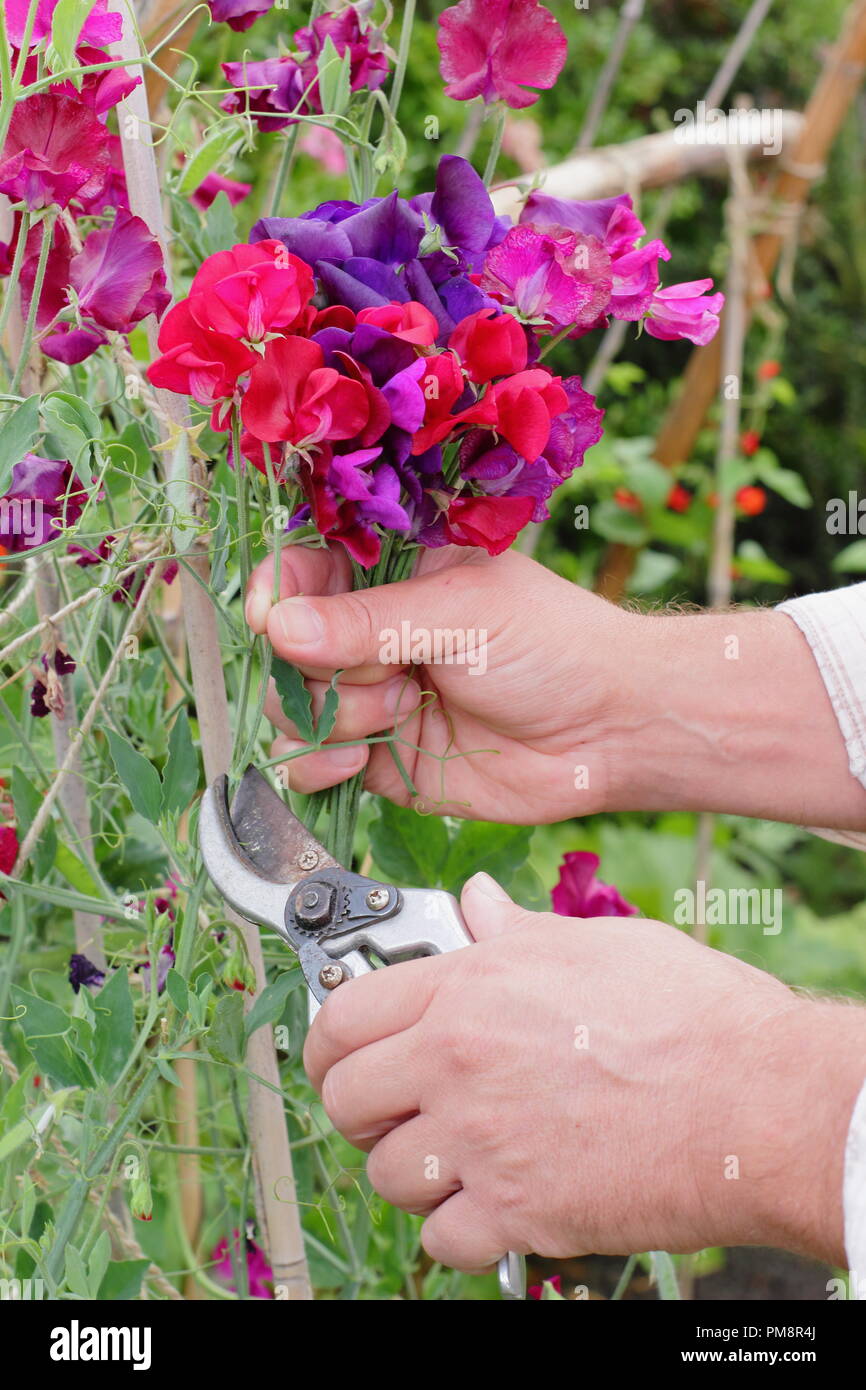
(580, 894)
(196, 361)
(410, 321)
(681, 311)
(496, 49)
(44, 496)
(238, 14)
(292, 397)
(491, 523)
(250, 291)
(213, 184)
(259, 1274)
(489, 345)
(8, 848)
(368, 61)
(100, 26)
(555, 278)
(55, 149)
(526, 405)
(83, 972)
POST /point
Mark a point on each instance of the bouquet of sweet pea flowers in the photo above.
(383, 362)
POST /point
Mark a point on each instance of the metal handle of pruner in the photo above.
(429, 924)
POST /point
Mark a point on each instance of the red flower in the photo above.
(525, 407)
(751, 500)
(750, 442)
(8, 848)
(536, 1290)
(629, 501)
(250, 291)
(495, 49)
(580, 894)
(768, 370)
(679, 498)
(56, 150)
(195, 361)
(411, 322)
(489, 522)
(443, 384)
(293, 397)
(489, 345)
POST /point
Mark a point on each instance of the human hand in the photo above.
(609, 1085)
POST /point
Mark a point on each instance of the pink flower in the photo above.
(325, 147)
(100, 26)
(56, 149)
(496, 49)
(537, 1290)
(259, 1274)
(681, 311)
(214, 184)
(238, 14)
(580, 894)
(118, 275)
(249, 291)
(554, 277)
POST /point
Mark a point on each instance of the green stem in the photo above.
(496, 145)
(287, 160)
(14, 275)
(27, 339)
(402, 56)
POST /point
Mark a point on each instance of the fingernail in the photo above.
(257, 608)
(344, 757)
(397, 696)
(483, 883)
(298, 623)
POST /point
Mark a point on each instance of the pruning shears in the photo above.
(274, 873)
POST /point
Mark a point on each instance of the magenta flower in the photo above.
(118, 275)
(100, 26)
(496, 49)
(681, 311)
(259, 1273)
(238, 14)
(580, 894)
(554, 277)
(214, 184)
(56, 149)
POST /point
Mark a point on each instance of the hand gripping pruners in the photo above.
(274, 873)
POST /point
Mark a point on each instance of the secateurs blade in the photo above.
(273, 872)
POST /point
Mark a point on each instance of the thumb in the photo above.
(488, 909)
(366, 627)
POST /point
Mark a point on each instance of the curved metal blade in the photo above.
(251, 893)
(270, 836)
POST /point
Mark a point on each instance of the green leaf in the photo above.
(15, 1138)
(180, 776)
(225, 1037)
(409, 848)
(754, 563)
(71, 428)
(295, 698)
(45, 1028)
(27, 800)
(165, 1071)
(66, 25)
(76, 872)
(100, 1257)
(76, 1274)
(328, 718)
(178, 993)
(851, 560)
(334, 78)
(138, 775)
(122, 1280)
(498, 850)
(220, 225)
(786, 483)
(271, 1002)
(18, 430)
(115, 1023)
(614, 523)
(215, 148)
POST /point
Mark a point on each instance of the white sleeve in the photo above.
(854, 1197)
(834, 625)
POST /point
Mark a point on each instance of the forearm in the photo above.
(729, 713)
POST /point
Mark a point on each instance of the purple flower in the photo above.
(580, 894)
(272, 91)
(574, 431)
(260, 1276)
(238, 14)
(44, 496)
(681, 311)
(83, 972)
(495, 49)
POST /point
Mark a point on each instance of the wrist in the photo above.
(780, 1127)
(728, 712)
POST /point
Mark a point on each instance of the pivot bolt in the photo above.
(309, 859)
(330, 976)
(377, 898)
(312, 906)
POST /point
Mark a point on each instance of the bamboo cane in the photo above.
(279, 1219)
(835, 90)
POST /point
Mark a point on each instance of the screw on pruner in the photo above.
(309, 859)
(377, 898)
(331, 975)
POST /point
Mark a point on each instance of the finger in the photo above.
(363, 709)
(488, 909)
(312, 771)
(460, 1235)
(378, 626)
(367, 1009)
(410, 1168)
(373, 1089)
(303, 570)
